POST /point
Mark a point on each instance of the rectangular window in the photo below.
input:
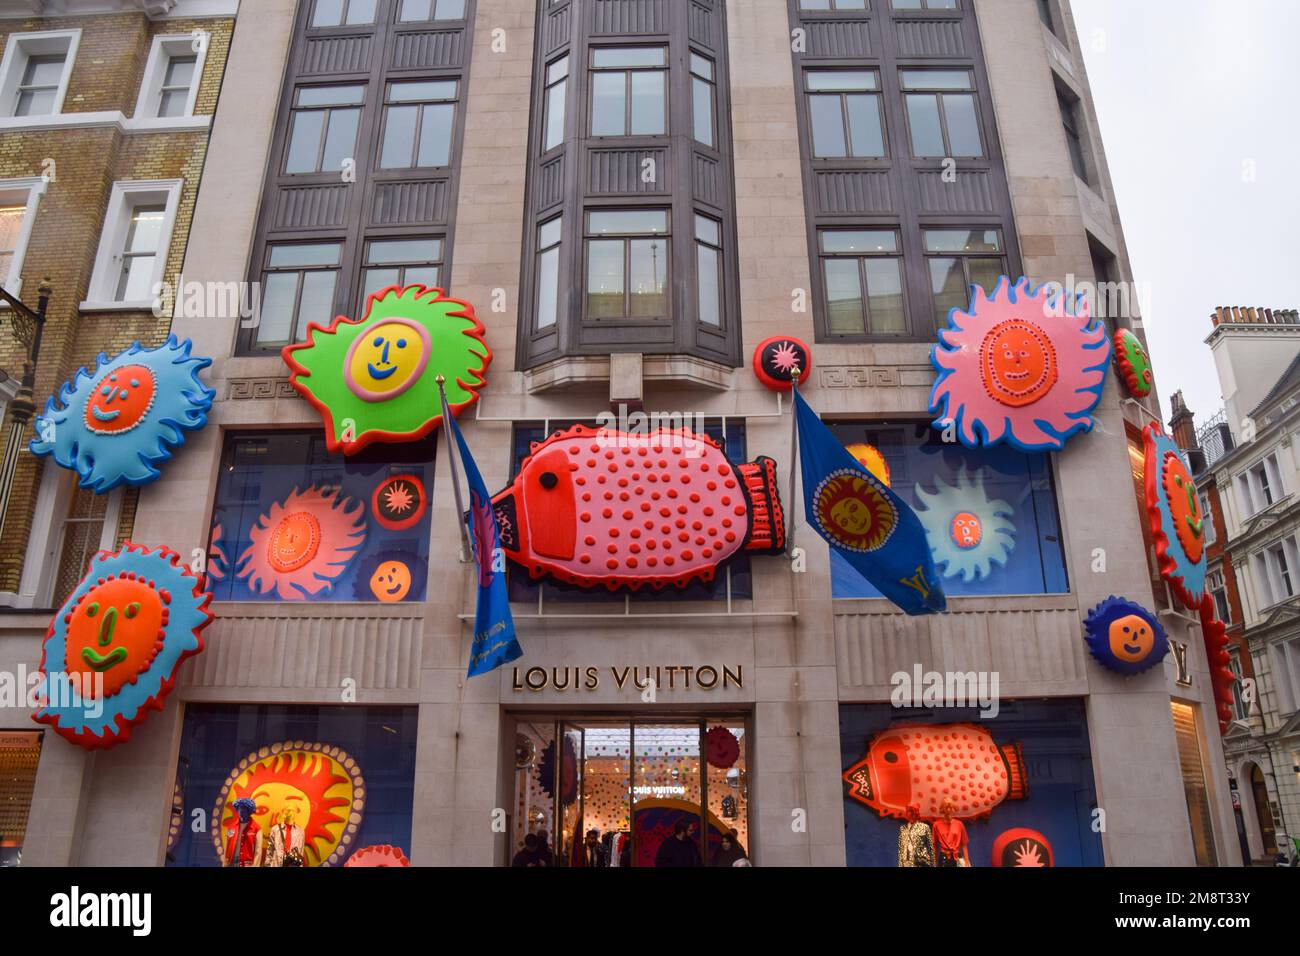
(708, 263)
(418, 120)
(1214, 584)
(863, 275)
(18, 201)
(323, 128)
(414, 11)
(294, 522)
(1208, 516)
(1011, 493)
(1073, 137)
(1198, 799)
(844, 113)
(337, 13)
(549, 235)
(34, 72)
(704, 96)
(20, 754)
(557, 91)
(134, 244)
(1286, 661)
(81, 534)
(298, 284)
(924, 4)
(833, 5)
(11, 227)
(401, 262)
(627, 264)
(1263, 582)
(1045, 14)
(178, 79)
(958, 259)
(629, 91)
(941, 113)
(1240, 710)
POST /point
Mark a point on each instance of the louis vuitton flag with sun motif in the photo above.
(861, 518)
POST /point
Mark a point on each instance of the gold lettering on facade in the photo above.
(668, 677)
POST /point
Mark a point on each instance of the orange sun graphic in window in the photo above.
(399, 502)
(853, 510)
(321, 785)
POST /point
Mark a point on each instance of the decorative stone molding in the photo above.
(260, 388)
(875, 376)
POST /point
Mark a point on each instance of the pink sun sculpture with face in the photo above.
(302, 546)
(1019, 367)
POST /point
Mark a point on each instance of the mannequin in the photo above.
(950, 838)
(285, 847)
(244, 842)
(915, 847)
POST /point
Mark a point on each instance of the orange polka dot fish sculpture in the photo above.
(111, 653)
(1019, 367)
(1174, 510)
(1125, 637)
(321, 784)
(115, 425)
(374, 380)
(614, 509)
(929, 764)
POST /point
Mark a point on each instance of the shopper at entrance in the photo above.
(679, 849)
(544, 855)
(528, 856)
(731, 852)
(950, 838)
(593, 854)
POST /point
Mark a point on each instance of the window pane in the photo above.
(701, 66)
(864, 125)
(923, 117)
(604, 279)
(415, 10)
(317, 302)
(962, 240)
(180, 71)
(43, 70)
(936, 80)
(828, 81)
(985, 272)
(963, 127)
(608, 91)
(340, 139)
(814, 4)
(648, 278)
(557, 70)
(623, 221)
(331, 95)
(429, 276)
(328, 13)
(278, 290)
(555, 115)
(401, 251)
(450, 10)
(885, 295)
(844, 315)
(708, 230)
(435, 134)
(172, 102)
(850, 4)
(137, 279)
(304, 141)
(949, 287)
(648, 103)
(827, 127)
(145, 229)
(35, 103)
(548, 287)
(549, 233)
(859, 241)
(629, 56)
(422, 92)
(360, 11)
(709, 265)
(376, 279)
(399, 136)
(702, 110)
(306, 254)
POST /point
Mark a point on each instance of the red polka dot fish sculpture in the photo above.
(618, 509)
(930, 763)
(1019, 367)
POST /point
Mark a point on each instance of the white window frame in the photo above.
(126, 196)
(1286, 661)
(155, 71)
(19, 48)
(1208, 516)
(29, 192)
(1263, 586)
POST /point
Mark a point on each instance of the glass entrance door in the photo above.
(616, 792)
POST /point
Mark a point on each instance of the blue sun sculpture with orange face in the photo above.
(114, 425)
(1124, 636)
(112, 651)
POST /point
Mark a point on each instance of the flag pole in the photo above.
(453, 453)
(794, 455)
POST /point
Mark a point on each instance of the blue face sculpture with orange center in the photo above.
(1125, 637)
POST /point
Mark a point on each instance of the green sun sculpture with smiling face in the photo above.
(375, 380)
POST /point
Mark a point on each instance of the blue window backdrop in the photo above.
(1053, 738)
(990, 513)
(216, 737)
(292, 522)
(523, 588)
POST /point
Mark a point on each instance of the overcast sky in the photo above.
(1193, 97)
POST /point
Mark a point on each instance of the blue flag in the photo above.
(861, 518)
(494, 629)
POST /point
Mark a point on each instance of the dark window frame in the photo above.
(965, 258)
(388, 103)
(877, 94)
(627, 238)
(301, 271)
(298, 109)
(939, 94)
(628, 72)
(366, 265)
(863, 286)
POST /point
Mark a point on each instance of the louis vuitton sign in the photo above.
(639, 679)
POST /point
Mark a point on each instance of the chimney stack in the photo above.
(1183, 423)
